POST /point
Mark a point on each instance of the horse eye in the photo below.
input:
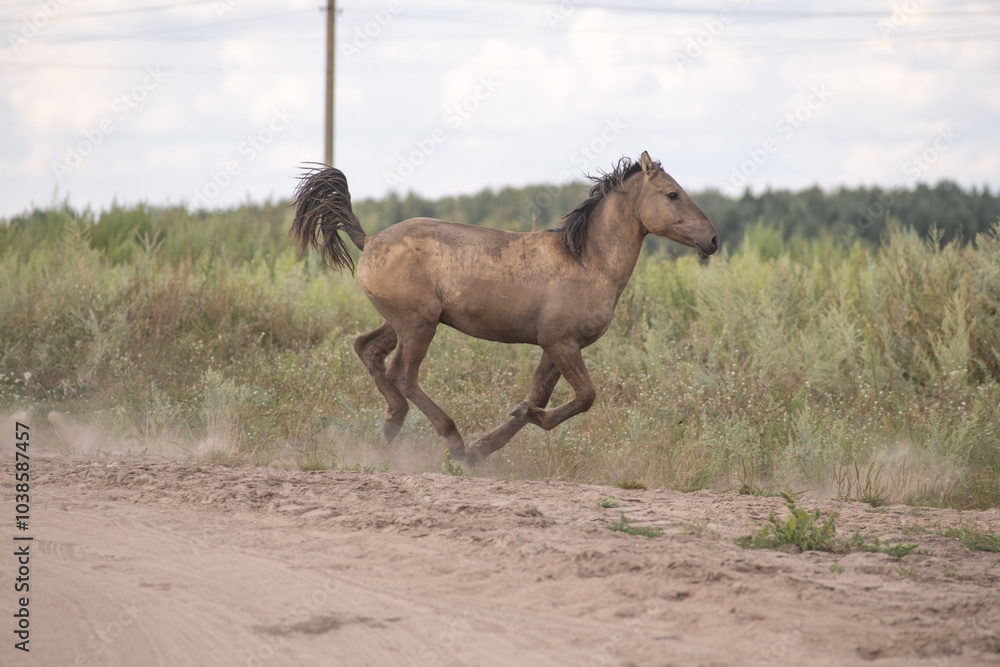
(671, 195)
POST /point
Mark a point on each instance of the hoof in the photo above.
(390, 430)
(460, 457)
(468, 456)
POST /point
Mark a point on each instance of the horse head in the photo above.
(666, 210)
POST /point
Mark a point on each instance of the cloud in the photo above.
(560, 83)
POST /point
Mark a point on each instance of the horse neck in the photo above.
(615, 237)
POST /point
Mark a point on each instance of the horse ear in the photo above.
(648, 166)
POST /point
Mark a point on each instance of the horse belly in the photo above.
(498, 310)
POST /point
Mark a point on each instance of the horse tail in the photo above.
(322, 210)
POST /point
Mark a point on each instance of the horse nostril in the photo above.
(715, 242)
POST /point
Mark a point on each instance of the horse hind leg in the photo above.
(373, 347)
(403, 372)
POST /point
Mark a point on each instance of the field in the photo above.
(792, 459)
(826, 366)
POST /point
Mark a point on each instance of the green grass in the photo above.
(973, 537)
(609, 503)
(799, 530)
(803, 531)
(450, 467)
(867, 373)
(622, 526)
(859, 543)
(695, 527)
(899, 550)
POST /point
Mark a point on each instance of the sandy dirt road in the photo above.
(143, 562)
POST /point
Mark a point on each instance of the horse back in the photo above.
(505, 286)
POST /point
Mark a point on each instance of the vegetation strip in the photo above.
(869, 370)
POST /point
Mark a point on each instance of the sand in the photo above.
(142, 561)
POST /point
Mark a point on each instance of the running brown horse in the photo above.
(556, 288)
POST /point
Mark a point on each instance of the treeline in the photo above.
(809, 213)
(253, 230)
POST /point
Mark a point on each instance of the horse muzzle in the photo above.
(706, 249)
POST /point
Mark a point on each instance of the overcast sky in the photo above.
(213, 102)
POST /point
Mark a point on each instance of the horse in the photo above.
(556, 288)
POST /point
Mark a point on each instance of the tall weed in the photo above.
(841, 369)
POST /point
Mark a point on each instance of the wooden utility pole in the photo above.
(331, 15)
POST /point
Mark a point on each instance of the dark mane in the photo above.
(573, 230)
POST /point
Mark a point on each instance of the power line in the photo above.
(527, 31)
(521, 28)
(715, 11)
(35, 4)
(744, 45)
(169, 68)
(175, 29)
(758, 48)
(115, 12)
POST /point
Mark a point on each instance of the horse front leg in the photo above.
(544, 381)
(568, 360)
